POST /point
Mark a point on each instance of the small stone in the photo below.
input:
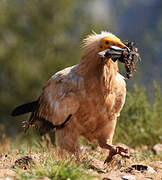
(142, 168)
(114, 175)
(83, 148)
(8, 178)
(144, 147)
(7, 172)
(129, 177)
(139, 167)
(157, 149)
(150, 170)
(23, 162)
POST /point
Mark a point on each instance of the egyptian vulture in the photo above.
(84, 99)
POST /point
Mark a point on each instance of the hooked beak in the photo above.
(113, 52)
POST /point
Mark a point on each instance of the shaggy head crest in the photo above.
(95, 38)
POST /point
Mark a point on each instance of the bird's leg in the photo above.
(113, 150)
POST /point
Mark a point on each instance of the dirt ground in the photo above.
(118, 169)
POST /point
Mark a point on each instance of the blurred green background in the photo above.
(40, 37)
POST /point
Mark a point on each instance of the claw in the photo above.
(117, 150)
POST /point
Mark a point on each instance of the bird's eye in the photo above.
(106, 42)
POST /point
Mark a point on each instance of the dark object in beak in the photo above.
(128, 55)
(113, 52)
(130, 58)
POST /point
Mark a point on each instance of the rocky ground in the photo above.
(34, 164)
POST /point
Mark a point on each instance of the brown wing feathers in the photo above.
(40, 123)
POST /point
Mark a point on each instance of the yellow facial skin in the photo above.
(108, 41)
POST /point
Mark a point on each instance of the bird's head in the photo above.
(105, 46)
(109, 41)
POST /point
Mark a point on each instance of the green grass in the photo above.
(140, 119)
(54, 169)
(46, 161)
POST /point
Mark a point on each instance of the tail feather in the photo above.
(25, 108)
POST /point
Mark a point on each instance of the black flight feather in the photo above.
(25, 108)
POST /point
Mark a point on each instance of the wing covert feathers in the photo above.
(57, 103)
(44, 126)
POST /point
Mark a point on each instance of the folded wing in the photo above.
(58, 101)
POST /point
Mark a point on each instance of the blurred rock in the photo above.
(23, 162)
(139, 167)
(157, 149)
(114, 175)
(142, 168)
(144, 147)
(156, 164)
(106, 178)
(98, 165)
(129, 177)
(7, 178)
(83, 148)
(7, 172)
(150, 170)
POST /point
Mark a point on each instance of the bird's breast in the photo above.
(94, 114)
